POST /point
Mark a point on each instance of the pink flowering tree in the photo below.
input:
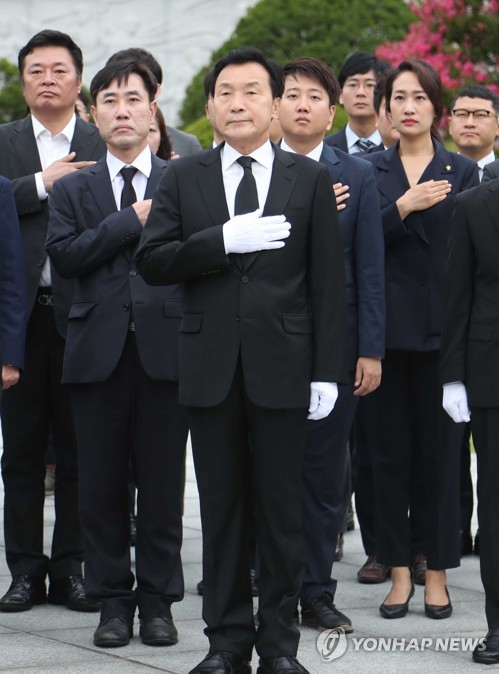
(459, 38)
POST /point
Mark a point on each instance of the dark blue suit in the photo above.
(326, 463)
(124, 390)
(412, 438)
(12, 282)
(337, 140)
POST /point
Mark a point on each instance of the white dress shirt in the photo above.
(314, 154)
(232, 172)
(142, 163)
(50, 149)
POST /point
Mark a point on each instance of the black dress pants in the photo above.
(29, 409)
(485, 429)
(131, 410)
(413, 438)
(222, 462)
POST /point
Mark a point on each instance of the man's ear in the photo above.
(332, 110)
(275, 108)
(93, 111)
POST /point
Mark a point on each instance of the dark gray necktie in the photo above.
(128, 196)
(363, 145)
(246, 194)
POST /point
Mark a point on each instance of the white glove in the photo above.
(455, 402)
(323, 397)
(249, 232)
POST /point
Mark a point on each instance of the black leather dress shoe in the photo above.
(70, 592)
(284, 664)
(322, 613)
(158, 631)
(113, 632)
(397, 610)
(24, 592)
(487, 653)
(222, 662)
(438, 612)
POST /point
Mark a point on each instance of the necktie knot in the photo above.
(128, 196)
(245, 162)
(364, 144)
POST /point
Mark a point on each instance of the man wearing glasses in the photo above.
(473, 124)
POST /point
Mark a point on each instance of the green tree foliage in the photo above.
(12, 103)
(286, 29)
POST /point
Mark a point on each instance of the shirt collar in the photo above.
(142, 162)
(264, 155)
(482, 163)
(313, 154)
(352, 137)
(67, 132)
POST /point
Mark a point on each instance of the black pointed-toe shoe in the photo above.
(396, 610)
(438, 612)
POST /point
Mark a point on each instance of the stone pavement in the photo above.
(50, 639)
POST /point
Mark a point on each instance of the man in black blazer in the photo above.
(12, 290)
(263, 338)
(469, 370)
(306, 111)
(121, 365)
(491, 171)
(36, 151)
(357, 79)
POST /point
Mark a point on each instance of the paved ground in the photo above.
(51, 639)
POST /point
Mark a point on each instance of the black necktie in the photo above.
(364, 145)
(128, 196)
(246, 194)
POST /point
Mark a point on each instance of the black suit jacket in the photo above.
(416, 248)
(338, 140)
(491, 171)
(12, 282)
(94, 243)
(283, 311)
(470, 335)
(19, 161)
(364, 251)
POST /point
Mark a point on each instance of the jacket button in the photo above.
(39, 263)
(244, 279)
(126, 307)
(132, 273)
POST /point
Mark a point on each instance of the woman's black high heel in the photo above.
(397, 610)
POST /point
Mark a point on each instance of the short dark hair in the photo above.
(430, 82)
(358, 63)
(317, 70)
(121, 71)
(139, 55)
(207, 84)
(477, 91)
(165, 144)
(51, 38)
(247, 55)
(379, 90)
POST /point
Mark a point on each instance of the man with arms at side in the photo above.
(262, 340)
(121, 365)
(36, 151)
(12, 290)
(306, 112)
(357, 79)
(469, 370)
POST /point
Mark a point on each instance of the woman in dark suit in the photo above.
(414, 444)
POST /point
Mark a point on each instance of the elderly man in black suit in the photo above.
(263, 339)
(121, 365)
(12, 290)
(469, 370)
(37, 150)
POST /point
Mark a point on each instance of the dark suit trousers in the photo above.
(485, 429)
(29, 409)
(412, 437)
(222, 461)
(326, 490)
(131, 410)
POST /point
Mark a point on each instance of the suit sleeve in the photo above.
(76, 246)
(12, 282)
(370, 270)
(165, 254)
(491, 171)
(327, 288)
(458, 297)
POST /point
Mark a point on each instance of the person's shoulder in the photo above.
(16, 126)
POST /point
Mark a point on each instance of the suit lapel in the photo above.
(100, 188)
(157, 168)
(331, 160)
(85, 139)
(24, 143)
